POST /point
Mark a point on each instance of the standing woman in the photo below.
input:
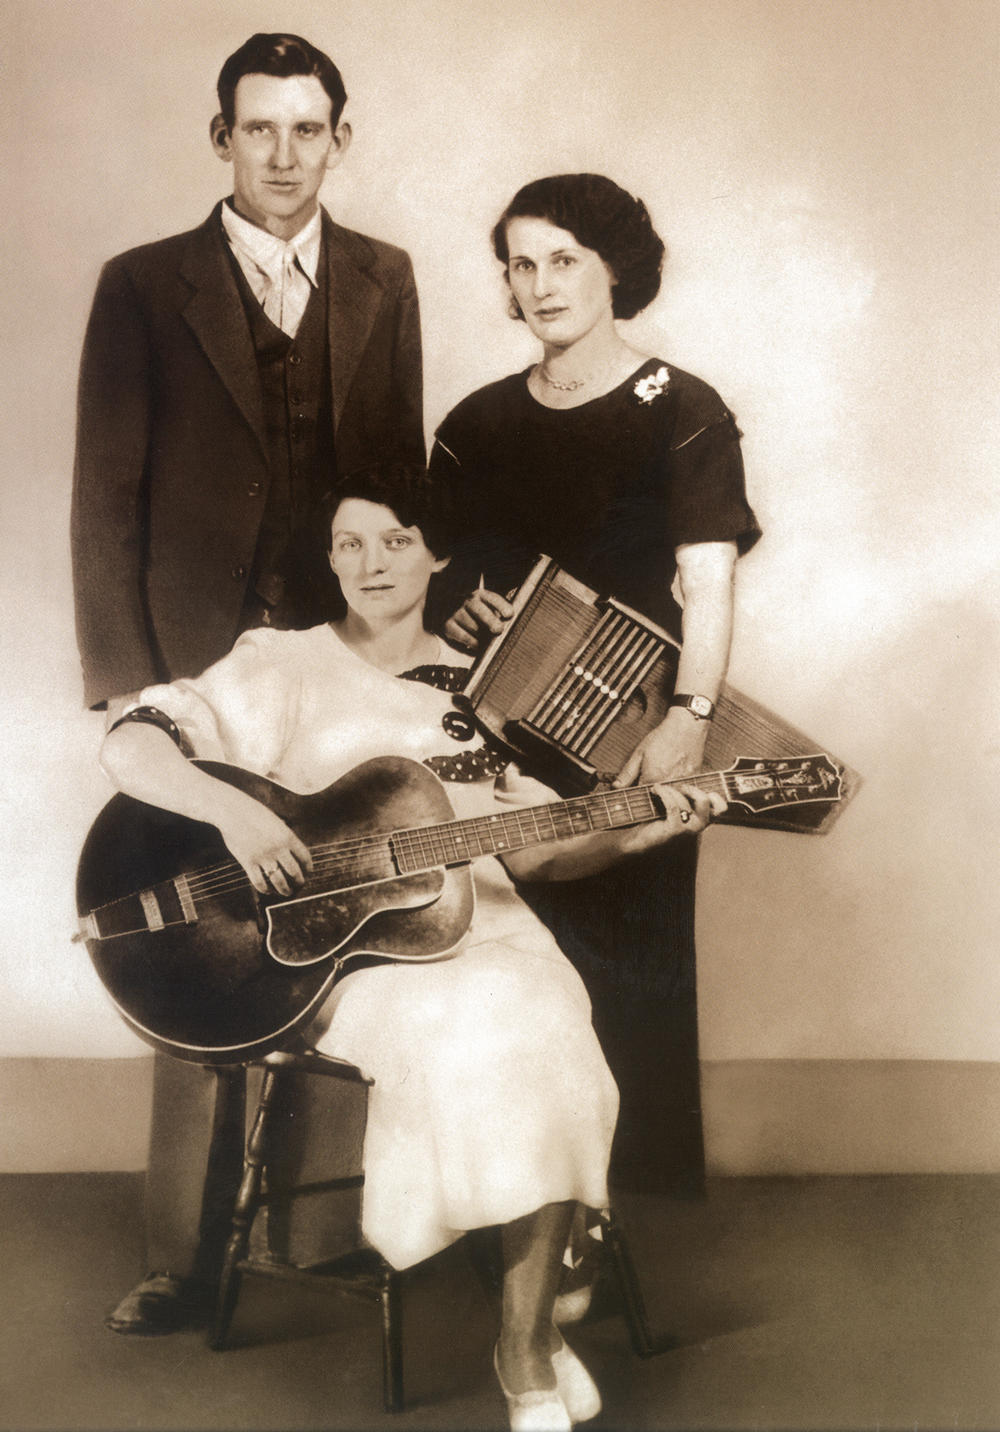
(628, 472)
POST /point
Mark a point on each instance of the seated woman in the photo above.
(491, 1103)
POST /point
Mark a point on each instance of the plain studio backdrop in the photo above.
(823, 172)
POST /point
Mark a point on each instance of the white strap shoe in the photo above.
(535, 1411)
(576, 1387)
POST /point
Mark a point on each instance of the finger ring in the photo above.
(685, 817)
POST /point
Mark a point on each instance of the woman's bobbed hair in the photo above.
(407, 491)
(601, 216)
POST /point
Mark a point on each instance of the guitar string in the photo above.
(449, 836)
(420, 840)
(346, 857)
(343, 856)
(372, 841)
(434, 844)
(347, 854)
(551, 812)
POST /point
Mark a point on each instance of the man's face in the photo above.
(280, 147)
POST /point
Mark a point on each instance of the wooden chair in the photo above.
(283, 1168)
(285, 1164)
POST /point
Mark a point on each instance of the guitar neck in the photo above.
(458, 841)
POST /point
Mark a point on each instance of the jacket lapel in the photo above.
(354, 298)
(214, 313)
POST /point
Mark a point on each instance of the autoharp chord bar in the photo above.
(599, 678)
(648, 650)
(560, 691)
(609, 690)
(592, 683)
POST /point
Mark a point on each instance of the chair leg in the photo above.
(485, 1252)
(244, 1211)
(644, 1343)
(391, 1303)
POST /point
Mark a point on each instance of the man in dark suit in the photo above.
(229, 374)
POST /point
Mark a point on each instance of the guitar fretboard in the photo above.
(455, 841)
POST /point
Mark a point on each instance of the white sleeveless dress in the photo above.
(491, 1095)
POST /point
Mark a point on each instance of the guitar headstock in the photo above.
(766, 785)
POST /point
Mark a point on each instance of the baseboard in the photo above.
(762, 1117)
(831, 1116)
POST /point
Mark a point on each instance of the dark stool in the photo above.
(277, 1174)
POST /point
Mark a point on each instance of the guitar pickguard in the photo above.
(299, 930)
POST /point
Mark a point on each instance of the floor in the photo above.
(820, 1303)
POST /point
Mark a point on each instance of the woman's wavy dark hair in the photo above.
(601, 216)
(407, 491)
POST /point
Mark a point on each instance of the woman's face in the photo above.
(383, 567)
(564, 289)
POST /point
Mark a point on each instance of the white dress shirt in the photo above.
(280, 272)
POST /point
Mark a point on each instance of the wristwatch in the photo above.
(699, 706)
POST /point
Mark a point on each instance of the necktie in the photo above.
(287, 291)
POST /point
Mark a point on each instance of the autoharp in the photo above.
(575, 681)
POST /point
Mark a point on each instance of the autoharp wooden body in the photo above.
(575, 681)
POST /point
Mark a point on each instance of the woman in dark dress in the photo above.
(627, 471)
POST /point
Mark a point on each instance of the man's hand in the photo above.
(481, 611)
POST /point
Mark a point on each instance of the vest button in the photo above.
(253, 490)
(295, 358)
(239, 572)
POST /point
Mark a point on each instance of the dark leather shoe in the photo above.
(162, 1303)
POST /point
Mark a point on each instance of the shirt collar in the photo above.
(265, 250)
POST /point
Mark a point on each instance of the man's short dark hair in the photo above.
(601, 216)
(281, 55)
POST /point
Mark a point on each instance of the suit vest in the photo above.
(290, 581)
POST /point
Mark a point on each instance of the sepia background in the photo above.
(823, 172)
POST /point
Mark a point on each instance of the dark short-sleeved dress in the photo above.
(609, 489)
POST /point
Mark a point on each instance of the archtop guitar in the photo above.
(204, 967)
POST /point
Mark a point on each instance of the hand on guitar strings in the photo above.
(688, 806)
(273, 856)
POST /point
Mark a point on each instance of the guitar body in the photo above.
(202, 966)
(232, 974)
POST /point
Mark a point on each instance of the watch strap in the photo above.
(699, 706)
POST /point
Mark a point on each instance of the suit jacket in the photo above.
(171, 473)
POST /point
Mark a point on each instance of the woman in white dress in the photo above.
(491, 1102)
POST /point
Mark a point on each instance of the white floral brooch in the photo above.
(648, 388)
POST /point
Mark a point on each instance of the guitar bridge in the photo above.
(185, 900)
